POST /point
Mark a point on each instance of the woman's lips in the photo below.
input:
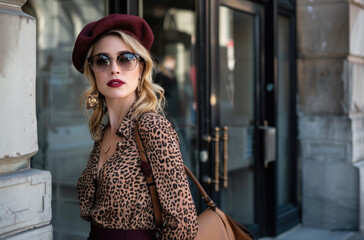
(115, 83)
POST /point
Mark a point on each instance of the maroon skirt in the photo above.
(119, 234)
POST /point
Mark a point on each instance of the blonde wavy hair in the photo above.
(151, 98)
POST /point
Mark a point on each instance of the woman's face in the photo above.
(115, 82)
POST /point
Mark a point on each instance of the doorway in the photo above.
(251, 171)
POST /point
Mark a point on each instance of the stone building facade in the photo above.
(25, 193)
(331, 112)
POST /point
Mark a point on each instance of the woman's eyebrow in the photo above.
(102, 53)
(118, 53)
(127, 51)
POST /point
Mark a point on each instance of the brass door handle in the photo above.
(226, 156)
(217, 159)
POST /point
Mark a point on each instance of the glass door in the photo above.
(235, 97)
(236, 111)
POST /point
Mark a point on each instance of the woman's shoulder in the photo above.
(154, 126)
(152, 121)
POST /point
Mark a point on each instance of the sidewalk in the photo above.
(305, 233)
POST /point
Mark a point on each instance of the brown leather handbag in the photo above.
(213, 223)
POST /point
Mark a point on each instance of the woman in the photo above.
(113, 54)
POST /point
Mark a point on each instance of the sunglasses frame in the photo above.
(137, 57)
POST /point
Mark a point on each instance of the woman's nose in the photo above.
(114, 67)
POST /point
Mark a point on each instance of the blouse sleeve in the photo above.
(86, 188)
(162, 146)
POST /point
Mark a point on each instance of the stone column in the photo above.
(356, 79)
(331, 111)
(25, 193)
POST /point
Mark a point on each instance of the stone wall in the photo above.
(25, 193)
(331, 111)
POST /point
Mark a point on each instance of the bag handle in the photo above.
(147, 172)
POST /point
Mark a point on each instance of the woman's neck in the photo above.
(117, 110)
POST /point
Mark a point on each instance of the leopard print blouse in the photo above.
(119, 198)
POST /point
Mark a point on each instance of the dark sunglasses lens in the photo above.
(100, 63)
(127, 61)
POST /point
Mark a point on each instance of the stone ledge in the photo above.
(42, 233)
(25, 201)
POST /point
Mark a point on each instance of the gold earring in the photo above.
(92, 101)
(139, 91)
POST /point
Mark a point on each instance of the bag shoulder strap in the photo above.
(206, 197)
(148, 174)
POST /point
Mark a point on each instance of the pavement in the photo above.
(305, 233)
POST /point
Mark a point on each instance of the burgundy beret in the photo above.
(130, 24)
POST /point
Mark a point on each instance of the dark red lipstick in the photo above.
(115, 83)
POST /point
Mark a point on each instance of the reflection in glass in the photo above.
(173, 26)
(236, 104)
(283, 109)
(64, 139)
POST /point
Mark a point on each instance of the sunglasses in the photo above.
(126, 61)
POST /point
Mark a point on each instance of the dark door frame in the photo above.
(290, 214)
(203, 61)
